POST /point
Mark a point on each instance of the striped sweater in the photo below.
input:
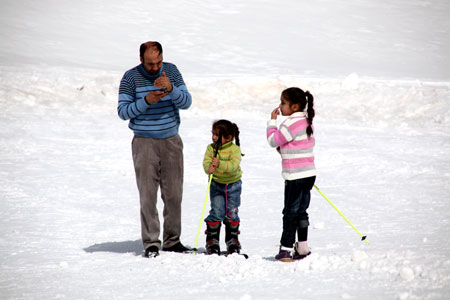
(295, 146)
(159, 120)
(229, 169)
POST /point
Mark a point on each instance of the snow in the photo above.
(69, 217)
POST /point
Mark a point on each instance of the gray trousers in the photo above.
(159, 163)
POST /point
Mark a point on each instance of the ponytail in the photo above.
(236, 136)
(310, 113)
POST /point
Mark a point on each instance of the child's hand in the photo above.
(275, 113)
(214, 164)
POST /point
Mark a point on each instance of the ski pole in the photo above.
(203, 211)
(216, 150)
(363, 237)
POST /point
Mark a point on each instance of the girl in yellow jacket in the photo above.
(222, 160)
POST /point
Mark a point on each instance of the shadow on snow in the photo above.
(134, 247)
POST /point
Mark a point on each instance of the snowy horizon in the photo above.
(379, 39)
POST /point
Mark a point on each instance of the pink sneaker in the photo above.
(301, 251)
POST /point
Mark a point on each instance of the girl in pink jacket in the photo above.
(294, 140)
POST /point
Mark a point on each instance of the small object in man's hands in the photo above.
(159, 89)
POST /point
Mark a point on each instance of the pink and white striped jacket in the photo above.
(295, 146)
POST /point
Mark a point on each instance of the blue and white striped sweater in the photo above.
(160, 120)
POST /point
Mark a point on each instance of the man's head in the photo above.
(151, 57)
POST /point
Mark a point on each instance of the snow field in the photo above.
(70, 208)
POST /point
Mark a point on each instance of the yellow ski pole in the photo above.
(203, 212)
(217, 145)
(363, 237)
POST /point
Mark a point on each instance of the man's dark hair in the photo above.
(146, 45)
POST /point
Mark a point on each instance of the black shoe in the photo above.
(298, 256)
(151, 252)
(285, 254)
(178, 247)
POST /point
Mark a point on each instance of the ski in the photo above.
(202, 251)
(222, 253)
(226, 254)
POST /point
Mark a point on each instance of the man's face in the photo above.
(152, 61)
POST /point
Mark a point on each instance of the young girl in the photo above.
(222, 159)
(295, 142)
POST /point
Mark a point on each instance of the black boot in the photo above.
(231, 237)
(212, 237)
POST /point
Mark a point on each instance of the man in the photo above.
(150, 96)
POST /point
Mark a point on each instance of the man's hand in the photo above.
(164, 82)
(155, 96)
(160, 82)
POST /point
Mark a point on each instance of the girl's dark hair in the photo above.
(227, 128)
(146, 45)
(295, 95)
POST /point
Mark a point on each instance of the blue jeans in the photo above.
(225, 201)
(297, 195)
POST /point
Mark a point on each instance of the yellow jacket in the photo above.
(229, 170)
